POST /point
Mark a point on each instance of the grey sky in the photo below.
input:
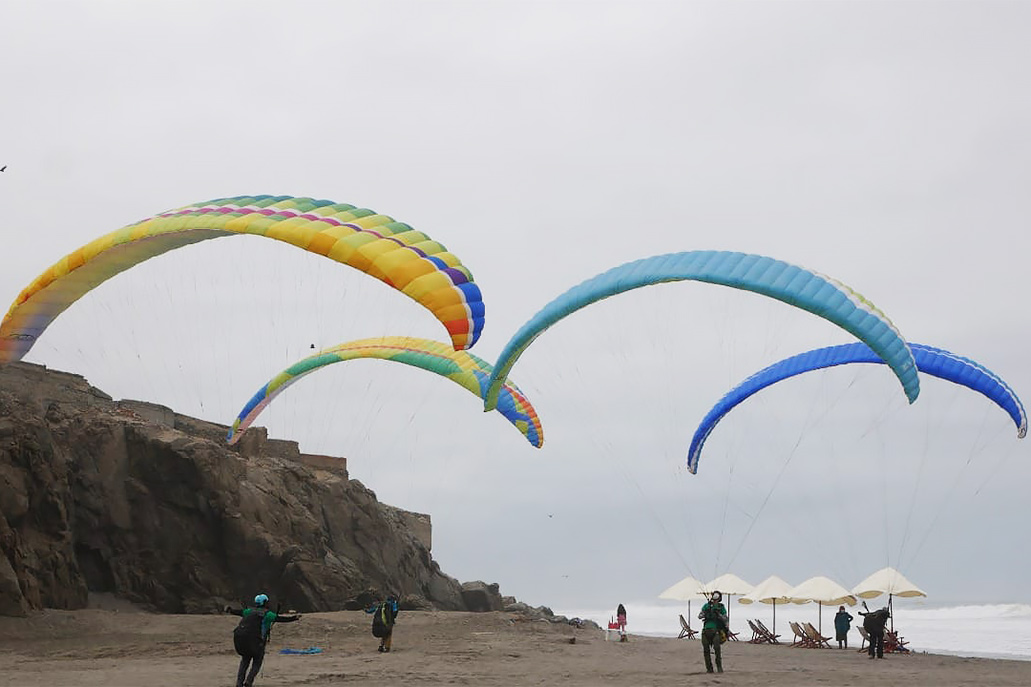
(884, 144)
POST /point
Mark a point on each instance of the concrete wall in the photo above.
(151, 412)
(328, 463)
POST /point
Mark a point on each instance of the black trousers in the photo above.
(877, 644)
(251, 656)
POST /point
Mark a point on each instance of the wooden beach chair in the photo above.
(895, 644)
(770, 637)
(819, 641)
(866, 638)
(685, 629)
(732, 636)
(801, 638)
(757, 635)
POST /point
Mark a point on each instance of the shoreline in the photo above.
(112, 648)
(929, 652)
(969, 630)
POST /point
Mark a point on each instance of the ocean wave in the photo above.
(969, 612)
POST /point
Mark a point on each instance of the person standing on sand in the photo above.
(383, 622)
(873, 623)
(842, 623)
(621, 621)
(714, 630)
(251, 635)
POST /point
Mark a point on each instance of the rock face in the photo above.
(136, 500)
(482, 597)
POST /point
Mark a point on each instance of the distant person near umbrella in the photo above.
(251, 636)
(621, 621)
(714, 630)
(873, 623)
(842, 623)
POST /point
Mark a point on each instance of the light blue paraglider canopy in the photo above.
(791, 284)
(936, 362)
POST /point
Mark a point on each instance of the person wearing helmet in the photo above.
(714, 630)
(251, 635)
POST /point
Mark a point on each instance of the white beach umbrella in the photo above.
(887, 581)
(729, 584)
(685, 590)
(772, 590)
(822, 590)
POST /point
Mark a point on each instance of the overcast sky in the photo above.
(884, 144)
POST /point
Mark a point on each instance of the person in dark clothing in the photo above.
(384, 615)
(873, 623)
(251, 635)
(714, 630)
(842, 623)
(621, 621)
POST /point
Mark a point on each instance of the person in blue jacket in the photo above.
(384, 615)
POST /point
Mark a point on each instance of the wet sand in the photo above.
(133, 649)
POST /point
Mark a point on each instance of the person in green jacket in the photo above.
(251, 635)
(714, 630)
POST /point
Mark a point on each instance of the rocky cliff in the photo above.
(133, 499)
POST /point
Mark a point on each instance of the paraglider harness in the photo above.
(248, 636)
(712, 613)
(383, 619)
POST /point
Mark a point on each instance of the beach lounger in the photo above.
(770, 637)
(732, 636)
(757, 635)
(801, 638)
(894, 644)
(819, 641)
(685, 629)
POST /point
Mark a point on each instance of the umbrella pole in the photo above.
(891, 613)
(820, 603)
(774, 616)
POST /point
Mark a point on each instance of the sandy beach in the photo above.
(128, 648)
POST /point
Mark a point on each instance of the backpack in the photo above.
(247, 635)
(875, 621)
(382, 621)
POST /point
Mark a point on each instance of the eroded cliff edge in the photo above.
(137, 500)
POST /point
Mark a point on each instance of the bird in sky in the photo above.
(3, 169)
